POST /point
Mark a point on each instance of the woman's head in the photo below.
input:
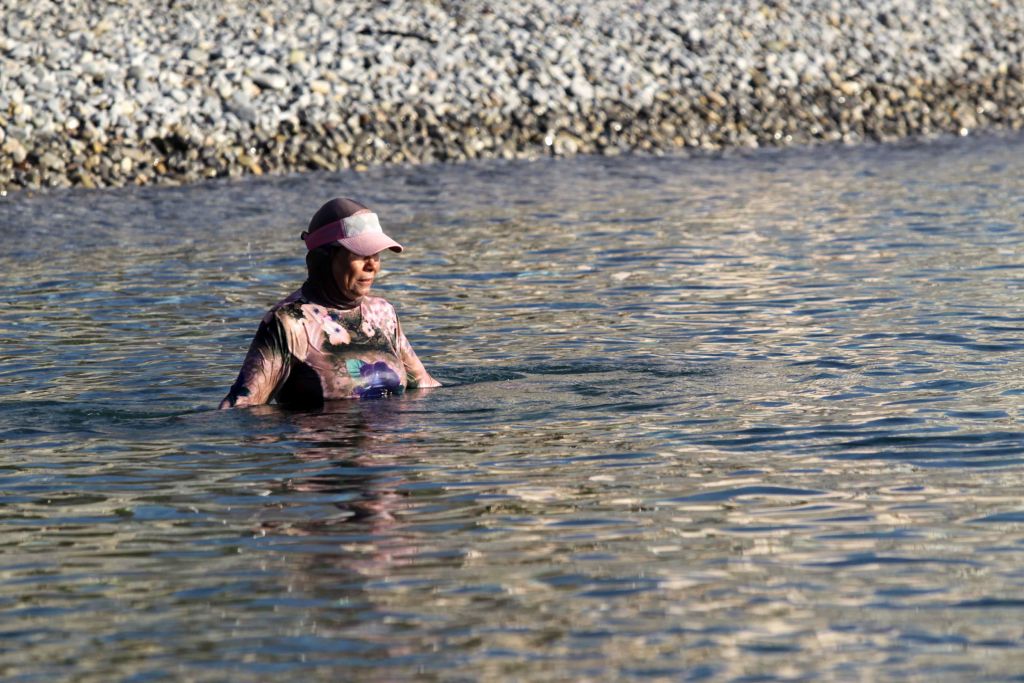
(344, 239)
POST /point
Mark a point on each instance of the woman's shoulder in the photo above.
(377, 312)
(289, 307)
(378, 308)
(377, 303)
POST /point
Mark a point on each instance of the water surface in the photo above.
(754, 417)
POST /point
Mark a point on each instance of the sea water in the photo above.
(741, 417)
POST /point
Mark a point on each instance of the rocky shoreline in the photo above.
(102, 93)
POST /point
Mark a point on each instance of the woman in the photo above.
(331, 339)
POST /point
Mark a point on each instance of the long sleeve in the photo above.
(416, 375)
(265, 369)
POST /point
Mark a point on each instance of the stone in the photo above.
(271, 80)
(51, 160)
(15, 149)
(316, 82)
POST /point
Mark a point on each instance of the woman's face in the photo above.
(354, 274)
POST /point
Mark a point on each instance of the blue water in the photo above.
(752, 417)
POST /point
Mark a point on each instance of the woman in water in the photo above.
(331, 339)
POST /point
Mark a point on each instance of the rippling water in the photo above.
(742, 418)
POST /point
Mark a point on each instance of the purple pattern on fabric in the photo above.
(378, 380)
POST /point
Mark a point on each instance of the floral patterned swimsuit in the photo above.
(305, 352)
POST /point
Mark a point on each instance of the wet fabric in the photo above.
(306, 352)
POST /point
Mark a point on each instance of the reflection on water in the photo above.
(744, 417)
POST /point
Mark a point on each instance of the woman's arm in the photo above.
(417, 375)
(265, 368)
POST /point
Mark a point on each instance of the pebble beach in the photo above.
(99, 94)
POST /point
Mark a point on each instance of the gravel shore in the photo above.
(96, 93)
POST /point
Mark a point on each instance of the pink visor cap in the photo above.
(361, 234)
